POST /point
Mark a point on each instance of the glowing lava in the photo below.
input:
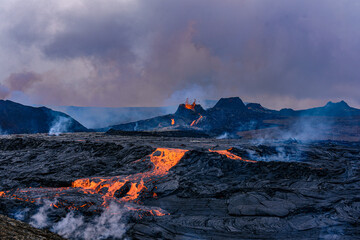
(196, 121)
(172, 121)
(231, 155)
(100, 191)
(162, 159)
(190, 106)
(119, 188)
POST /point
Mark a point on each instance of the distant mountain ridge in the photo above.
(339, 109)
(230, 115)
(16, 118)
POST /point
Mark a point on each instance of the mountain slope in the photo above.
(231, 115)
(16, 118)
(331, 109)
(227, 114)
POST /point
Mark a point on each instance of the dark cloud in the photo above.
(140, 53)
(22, 81)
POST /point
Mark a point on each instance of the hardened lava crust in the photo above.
(184, 188)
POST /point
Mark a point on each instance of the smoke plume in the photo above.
(59, 125)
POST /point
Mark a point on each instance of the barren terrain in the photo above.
(92, 185)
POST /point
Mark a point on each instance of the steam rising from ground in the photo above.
(225, 135)
(301, 129)
(308, 129)
(40, 219)
(110, 224)
(59, 125)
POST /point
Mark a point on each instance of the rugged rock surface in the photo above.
(289, 190)
(11, 229)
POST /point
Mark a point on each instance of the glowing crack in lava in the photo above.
(231, 155)
(97, 192)
(120, 189)
(162, 159)
(172, 121)
(190, 106)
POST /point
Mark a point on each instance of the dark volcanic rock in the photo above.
(294, 190)
(339, 109)
(178, 133)
(232, 104)
(256, 107)
(230, 118)
(31, 162)
(16, 118)
(181, 120)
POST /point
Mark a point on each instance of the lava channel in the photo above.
(121, 189)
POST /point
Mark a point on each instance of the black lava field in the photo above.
(99, 186)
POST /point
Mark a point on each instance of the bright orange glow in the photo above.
(190, 106)
(172, 121)
(195, 122)
(119, 188)
(154, 212)
(157, 213)
(231, 155)
(163, 159)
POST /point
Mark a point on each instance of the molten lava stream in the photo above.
(196, 121)
(231, 155)
(119, 188)
(163, 159)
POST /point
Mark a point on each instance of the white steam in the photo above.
(302, 129)
(307, 129)
(60, 125)
(225, 135)
(281, 156)
(110, 224)
(69, 225)
(40, 219)
(20, 215)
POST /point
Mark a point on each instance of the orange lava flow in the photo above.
(154, 212)
(190, 106)
(196, 121)
(172, 121)
(163, 159)
(118, 188)
(231, 155)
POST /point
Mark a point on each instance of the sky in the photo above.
(132, 53)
